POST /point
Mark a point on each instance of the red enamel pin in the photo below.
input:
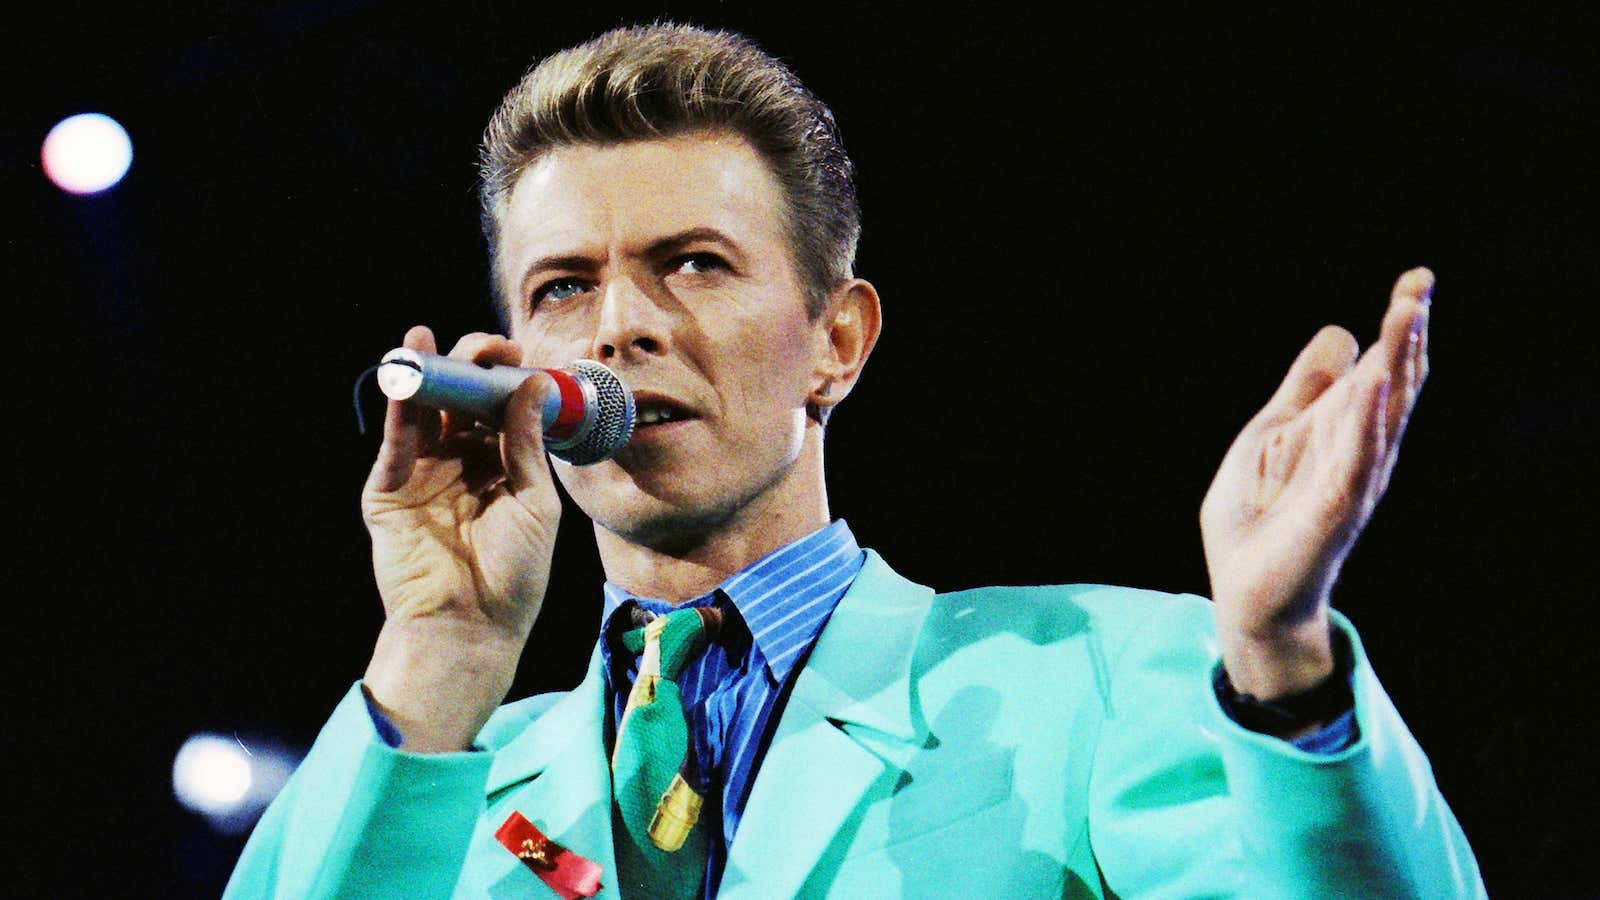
(567, 873)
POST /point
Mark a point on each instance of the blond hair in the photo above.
(664, 80)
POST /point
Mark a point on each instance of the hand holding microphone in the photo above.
(463, 521)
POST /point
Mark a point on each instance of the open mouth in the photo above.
(650, 412)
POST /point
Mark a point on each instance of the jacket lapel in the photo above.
(556, 773)
(817, 771)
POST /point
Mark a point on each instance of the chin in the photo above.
(670, 496)
(661, 510)
(662, 527)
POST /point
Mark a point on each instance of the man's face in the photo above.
(666, 260)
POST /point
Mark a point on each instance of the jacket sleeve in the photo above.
(361, 818)
(1184, 802)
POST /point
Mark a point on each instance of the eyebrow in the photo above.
(673, 243)
(661, 247)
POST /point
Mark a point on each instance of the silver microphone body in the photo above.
(587, 416)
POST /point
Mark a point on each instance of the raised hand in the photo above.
(463, 522)
(1299, 484)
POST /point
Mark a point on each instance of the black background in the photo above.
(1115, 225)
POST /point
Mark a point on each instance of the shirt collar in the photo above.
(784, 597)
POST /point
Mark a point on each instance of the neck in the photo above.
(787, 510)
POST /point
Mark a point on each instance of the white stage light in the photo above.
(86, 153)
(211, 774)
(228, 781)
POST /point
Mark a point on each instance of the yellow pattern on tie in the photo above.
(660, 853)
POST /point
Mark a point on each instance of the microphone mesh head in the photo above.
(610, 422)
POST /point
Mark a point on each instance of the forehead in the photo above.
(582, 198)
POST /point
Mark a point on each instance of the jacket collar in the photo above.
(860, 670)
(854, 693)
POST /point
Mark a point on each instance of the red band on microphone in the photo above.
(566, 424)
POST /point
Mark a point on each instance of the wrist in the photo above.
(1289, 717)
(1272, 663)
(439, 680)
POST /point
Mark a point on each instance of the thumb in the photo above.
(522, 440)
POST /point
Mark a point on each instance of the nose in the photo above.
(631, 323)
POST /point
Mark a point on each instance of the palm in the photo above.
(1301, 480)
(452, 547)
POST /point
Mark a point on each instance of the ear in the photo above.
(847, 331)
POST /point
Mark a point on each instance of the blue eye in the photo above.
(559, 289)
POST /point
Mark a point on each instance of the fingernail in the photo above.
(1428, 281)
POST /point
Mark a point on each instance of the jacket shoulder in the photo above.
(1044, 614)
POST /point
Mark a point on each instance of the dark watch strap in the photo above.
(1286, 715)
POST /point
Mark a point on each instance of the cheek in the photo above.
(793, 356)
(542, 350)
(779, 377)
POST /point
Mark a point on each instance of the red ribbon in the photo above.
(567, 873)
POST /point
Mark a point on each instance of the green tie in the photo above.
(660, 852)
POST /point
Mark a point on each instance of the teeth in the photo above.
(653, 415)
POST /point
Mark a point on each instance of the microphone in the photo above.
(587, 418)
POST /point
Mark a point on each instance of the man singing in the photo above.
(770, 710)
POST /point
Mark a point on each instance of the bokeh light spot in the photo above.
(211, 774)
(86, 153)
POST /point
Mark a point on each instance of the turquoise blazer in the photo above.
(998, 742)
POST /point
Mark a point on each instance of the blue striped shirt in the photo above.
(732, 694)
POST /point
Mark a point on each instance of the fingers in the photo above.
(411, 431)
(483, 349)
(1360, 447)
(1408, 366)
(487, 349)
(463, 437)
(408, 429)
(1322, 362)
(1416, 284)
(1384, 389)
(1401, 355)
(522, 440)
